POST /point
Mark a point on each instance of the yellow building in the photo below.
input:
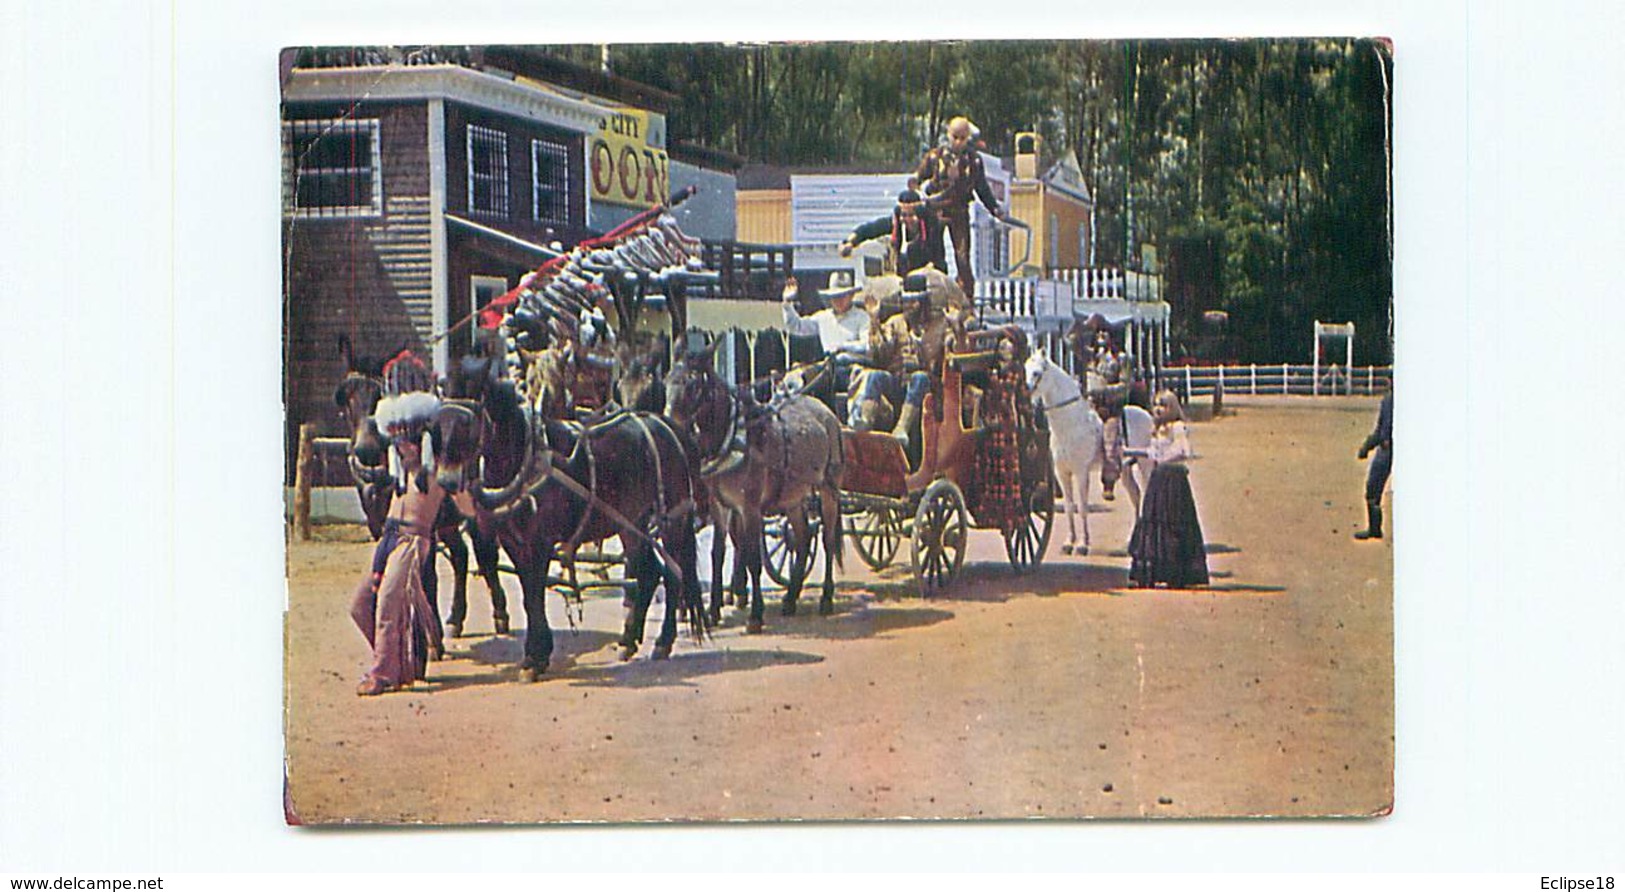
(1055, 203)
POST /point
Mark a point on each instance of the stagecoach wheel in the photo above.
(939, 536)
(1025, 545)
(877, 533)
(776, 554)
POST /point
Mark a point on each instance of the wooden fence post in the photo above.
(304, 469)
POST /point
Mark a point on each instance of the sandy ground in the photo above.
(1058, 694)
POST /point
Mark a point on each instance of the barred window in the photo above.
(330, 168)
(550, 181)
(487, 172)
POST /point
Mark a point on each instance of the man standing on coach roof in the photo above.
(951, 175)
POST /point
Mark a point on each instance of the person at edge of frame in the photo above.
(1380, 446)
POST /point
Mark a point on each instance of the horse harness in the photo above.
(1043, 370)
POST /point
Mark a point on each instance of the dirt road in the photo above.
(1058, 694)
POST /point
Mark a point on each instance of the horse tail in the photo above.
(833, 471)
(837, 546)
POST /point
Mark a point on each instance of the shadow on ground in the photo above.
(685, 667)
(994, 582)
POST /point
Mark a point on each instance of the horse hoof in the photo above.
(628, 651)
(826, 608)
(1067, 548)
(753, 627)
(454, 630)
(661, 652)
(502, 625)
(789, 609)
(1082, 550)
(529, 674)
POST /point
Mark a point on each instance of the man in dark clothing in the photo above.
(913, 232)
(1382, 442)
(950, 175)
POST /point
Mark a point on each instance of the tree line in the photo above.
(1258, 168)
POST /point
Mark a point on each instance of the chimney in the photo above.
(1027, 155)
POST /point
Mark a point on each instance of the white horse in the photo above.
(1076, 441)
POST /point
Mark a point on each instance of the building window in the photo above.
(330, 168)
(550, 181)
(487, 172)
(482, 290)
(1054, 240)
(1083, 244)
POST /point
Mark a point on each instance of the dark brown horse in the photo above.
(792, 452)
(357, 396)
(559, 485)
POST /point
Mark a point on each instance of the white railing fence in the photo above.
(1102, 282)
(1278, 379)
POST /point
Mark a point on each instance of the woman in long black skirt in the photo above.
(1167, 546)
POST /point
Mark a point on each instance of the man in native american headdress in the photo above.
(390, 605)
(950, 176)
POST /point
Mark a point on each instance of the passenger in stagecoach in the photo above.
(950, 176)
(842, 329)
(905, 351)
(1108, 379)
(913, 232)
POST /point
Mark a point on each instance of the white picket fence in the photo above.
(1278, 379)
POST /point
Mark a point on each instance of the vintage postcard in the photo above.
(838, 431)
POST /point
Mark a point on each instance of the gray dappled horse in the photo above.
(760, 461)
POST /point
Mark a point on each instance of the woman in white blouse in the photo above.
(1167, 546)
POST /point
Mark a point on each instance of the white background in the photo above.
(141, 579)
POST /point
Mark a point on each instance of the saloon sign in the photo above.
(624, 168)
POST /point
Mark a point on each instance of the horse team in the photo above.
(544, 487)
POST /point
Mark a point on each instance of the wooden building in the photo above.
(418, 185)
(1056, 203)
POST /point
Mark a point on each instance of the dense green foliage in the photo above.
(1259, 168)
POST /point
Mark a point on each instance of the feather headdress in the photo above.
(406, 415)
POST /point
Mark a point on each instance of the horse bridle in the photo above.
(363, 475)
(477, 415)
(710, 383)
(1045, 367)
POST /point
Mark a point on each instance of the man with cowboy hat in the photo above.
(390, 605)
(951, 175)
(842, 329)
(907, 349)
(912, 230)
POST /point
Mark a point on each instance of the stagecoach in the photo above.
(932, 504)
